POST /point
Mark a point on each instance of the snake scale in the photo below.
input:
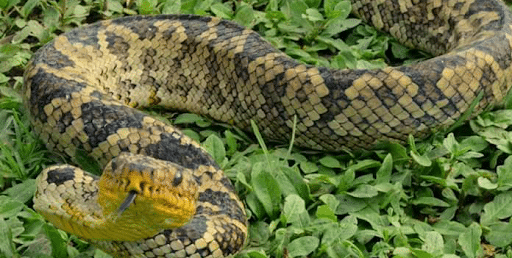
(161, 193)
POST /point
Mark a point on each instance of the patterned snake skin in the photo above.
(82, 88)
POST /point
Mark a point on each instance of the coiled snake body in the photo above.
(82, 88)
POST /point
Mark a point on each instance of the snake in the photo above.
(161, 194)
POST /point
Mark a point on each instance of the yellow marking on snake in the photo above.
(160, 193)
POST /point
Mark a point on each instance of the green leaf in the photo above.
(324, 211)
(266, 189)
(295, 179)
(245, 15)
(294, 207)
(384, 173)
(399, 51)
(100, 254)
(6, 244)
(22, 192)
(222, 10)
(313, 15)
(430, 201)
(499, 208)
(349, 204)
(189, 118)
(470, 241)
(308, 167)
(330, 162)
(337, 9)
(500, 234)
(364, 191)
(449, 228)
(171, 6)
(339, 231)
(255, 205)
(422, 160)
(433, 243)
(146, 6)
(57, 240)
(486, 183)
(504, 173)
(330, 200)
(9, 207)
(214, 145)
(302, 246)
(28, 7)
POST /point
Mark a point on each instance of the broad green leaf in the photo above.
(255, 205)
(499, 208)
(28, 7)
(449, 228)
(100, 254)
(324, 211)
(486, 183)
(302, 246)
(339, 9)
(266, 189)
(22, 192)
(171, 6)
(505, 174)
(245, 15)
(259, 232)
(146, 6)
(364, 191)
(421, 159)
(214, 145)
(7, 247)
(475, 143)
(313, 15)
(308, 167)
(384, 173)
(451, 144)
(339, 232)
(256, 254)
(294, 177)
(222, 10)
(433, 243)
(188, 118)
(330, 200)
(330, 162)
(349, 204)
(9, 207)
(294, 208)
(470, 241)
(57, 240)
(500, 234)
(430, 201)
(499, 118)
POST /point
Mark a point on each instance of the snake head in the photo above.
(143, 196)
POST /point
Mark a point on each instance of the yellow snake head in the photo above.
(135, 198)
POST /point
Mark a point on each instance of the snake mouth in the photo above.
(127, 202)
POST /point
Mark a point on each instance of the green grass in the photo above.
(446, 196)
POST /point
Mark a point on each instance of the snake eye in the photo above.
(114, 164)
(178, 178)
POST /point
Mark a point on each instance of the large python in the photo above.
(169, 197)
